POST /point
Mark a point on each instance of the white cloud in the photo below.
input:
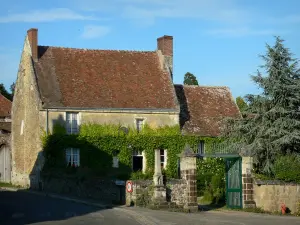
(94, 31)
(215, 10)
(240, 32)
(56, 14)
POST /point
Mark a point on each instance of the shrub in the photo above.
(206, 169)
(139, 175)
(286, 168)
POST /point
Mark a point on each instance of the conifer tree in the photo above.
(272, 125)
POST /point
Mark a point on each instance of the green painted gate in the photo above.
(234, 197)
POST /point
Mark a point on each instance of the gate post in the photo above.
(247, 180)
(188, 170)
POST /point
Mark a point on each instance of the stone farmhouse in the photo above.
(68, 86)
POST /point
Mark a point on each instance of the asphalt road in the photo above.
(19, 208)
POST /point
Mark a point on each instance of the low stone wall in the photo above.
(142, 192)
(96, 188)
(269, 195)
(139, 188)
(176, 190)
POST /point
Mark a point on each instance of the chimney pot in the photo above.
(32, 35)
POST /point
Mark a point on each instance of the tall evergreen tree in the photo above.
(190, 79)
(272, 125)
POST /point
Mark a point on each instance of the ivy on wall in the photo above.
(98, 143)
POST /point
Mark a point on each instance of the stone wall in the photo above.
(25, 135)
(269, 195)
(139, 188)
(122, 117)
(176, 192)
(105, 191)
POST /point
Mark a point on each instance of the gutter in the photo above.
(113, 110)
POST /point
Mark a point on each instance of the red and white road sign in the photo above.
(129, 186)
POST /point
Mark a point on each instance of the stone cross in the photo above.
(157, 178)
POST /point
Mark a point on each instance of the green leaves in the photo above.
(190, 79)
(287, 168)
(270, 126)
(97, 144)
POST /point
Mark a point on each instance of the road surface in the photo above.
(19, 208)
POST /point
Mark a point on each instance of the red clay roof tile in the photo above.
(5, 107)
(103, 79)
(204, 108)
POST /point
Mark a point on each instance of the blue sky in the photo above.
(217, 40)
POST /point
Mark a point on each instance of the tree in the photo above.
(190, 79)
(12, 89)
(241, 103)
(272, 127)
(4, 92)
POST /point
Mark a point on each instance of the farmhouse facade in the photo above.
(70, 87)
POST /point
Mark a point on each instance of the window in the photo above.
(137, 160)
(139, 124)
(201, 148)
(73, 157)
(72, 123)
(163, 158)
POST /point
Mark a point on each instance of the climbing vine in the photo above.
(99, 143)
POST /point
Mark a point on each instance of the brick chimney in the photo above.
(32, 35)
(165, 45)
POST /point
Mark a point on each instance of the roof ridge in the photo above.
(201, 86)
(107, 50)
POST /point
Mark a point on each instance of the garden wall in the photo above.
(269, 195)
(142, 193)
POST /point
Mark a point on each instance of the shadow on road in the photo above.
(21, 207)
(212, 206)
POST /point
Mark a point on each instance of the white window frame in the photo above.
(136, 123)
(165, 155)
(70, 153)
(78, 121)
(141, 154)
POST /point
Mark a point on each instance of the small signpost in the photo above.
(129, 186)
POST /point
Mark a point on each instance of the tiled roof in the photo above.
(82, 78)
(204, 108)
(5, 106)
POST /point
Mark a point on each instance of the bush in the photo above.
(206, 170)
(139, 175)
(286, 168)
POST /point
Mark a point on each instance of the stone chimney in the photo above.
(165, 45)
(32, 35)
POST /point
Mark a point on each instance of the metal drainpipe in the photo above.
(47, 121)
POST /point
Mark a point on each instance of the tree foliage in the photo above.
(272, 125)
(4, 92)
(190, 79)
(241, 103)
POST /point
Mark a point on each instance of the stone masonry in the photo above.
(188, 173)
(247, 181)
(25, 135)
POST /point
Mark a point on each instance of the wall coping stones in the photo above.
(273, 182)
